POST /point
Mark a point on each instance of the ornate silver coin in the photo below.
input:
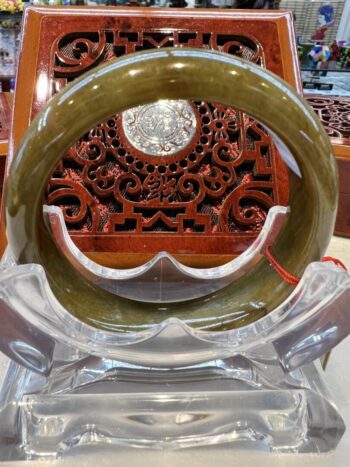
(161, 128)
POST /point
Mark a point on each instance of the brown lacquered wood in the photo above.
(334, 111)
(131, 260)
(42, 62)
(342, 226)
(344, 174)
(6, 100)
(342, 149)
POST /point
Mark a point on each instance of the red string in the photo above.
(289, 278)
(286, 276)
(336, 261)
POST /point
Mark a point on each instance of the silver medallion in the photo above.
(161, 128)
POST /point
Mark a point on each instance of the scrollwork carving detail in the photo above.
(223, 181)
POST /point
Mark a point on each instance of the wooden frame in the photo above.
(43, 28)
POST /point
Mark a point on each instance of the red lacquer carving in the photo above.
(223, 182)
(334, 113)
(205, 201)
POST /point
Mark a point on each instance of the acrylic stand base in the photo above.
(71, 387)
(100, 403)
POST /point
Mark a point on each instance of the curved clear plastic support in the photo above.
(314, 318)
(163, 278)
(248, 387)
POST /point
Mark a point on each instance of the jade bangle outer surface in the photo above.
(175, 74)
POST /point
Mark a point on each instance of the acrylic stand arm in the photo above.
(164, 279)
(313, 319)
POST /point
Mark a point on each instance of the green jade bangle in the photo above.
(175, 74)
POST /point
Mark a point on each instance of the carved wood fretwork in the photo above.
(224, 181)
(334, 113)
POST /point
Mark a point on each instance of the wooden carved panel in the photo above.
(207, 194)
(222, 181)
(334, 113)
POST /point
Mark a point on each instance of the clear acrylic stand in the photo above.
(71, 386)
(164, 279)
(95, 403)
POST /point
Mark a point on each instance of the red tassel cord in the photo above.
(289, 278)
